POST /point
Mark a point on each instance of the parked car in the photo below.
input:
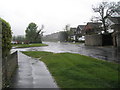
(81, 38)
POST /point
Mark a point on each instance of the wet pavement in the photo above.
(108, 53)
(32, 73)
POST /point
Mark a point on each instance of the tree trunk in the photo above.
(104, 26)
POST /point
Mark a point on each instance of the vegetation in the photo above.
(32, 34)
(63, 36)
(6, 38)
(78, 71)
(105, 10)
(67, 32)
(28, 45)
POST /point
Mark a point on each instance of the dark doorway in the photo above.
(107, 39)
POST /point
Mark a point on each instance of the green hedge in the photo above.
(6, 38)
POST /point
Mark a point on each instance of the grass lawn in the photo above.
(78, 71)
(28, 45)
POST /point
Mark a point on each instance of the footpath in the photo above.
(32, 73)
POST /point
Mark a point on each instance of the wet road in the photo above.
(105, 53)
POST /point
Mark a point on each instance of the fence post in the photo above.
(0, 55)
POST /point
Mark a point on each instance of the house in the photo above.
(80, 30)
(93, 28)
(71, 36)
(114, 23)
(94, 36)
(77, 34)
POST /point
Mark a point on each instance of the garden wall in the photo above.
(8, 68)
(99, 40)
(93, 40)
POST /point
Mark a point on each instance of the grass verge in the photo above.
(78, 71)
(28, 45)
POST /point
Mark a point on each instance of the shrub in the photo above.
(6, 38)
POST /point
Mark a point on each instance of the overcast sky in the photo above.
(53, 14)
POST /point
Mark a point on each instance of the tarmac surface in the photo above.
(108, 53)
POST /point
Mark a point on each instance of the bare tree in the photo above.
(105, 10)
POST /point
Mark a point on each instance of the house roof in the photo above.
(81, 27)
(94, 24)
(118, 10)
(115, 20)
(91, 25)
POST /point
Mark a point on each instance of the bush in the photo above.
(6, 38)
